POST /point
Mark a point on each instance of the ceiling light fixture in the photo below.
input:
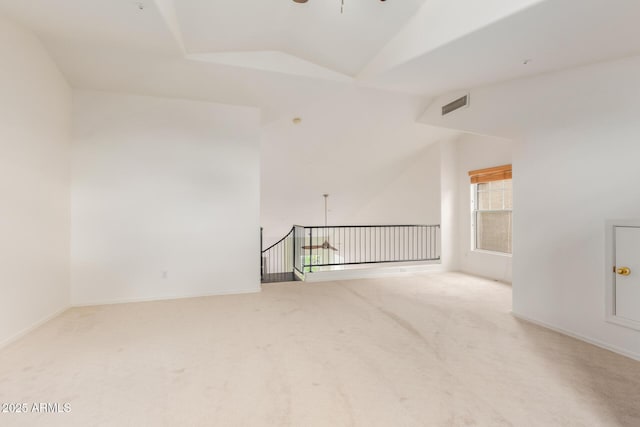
(325, 244)
(341, 3)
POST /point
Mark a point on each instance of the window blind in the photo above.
(497, 173)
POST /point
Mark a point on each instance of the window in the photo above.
(492, 204)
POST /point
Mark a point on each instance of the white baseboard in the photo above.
(10, 340)
(580, 337)
(7, 341)
(371, 272)
(164, 298)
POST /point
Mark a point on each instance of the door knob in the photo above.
(624, 271)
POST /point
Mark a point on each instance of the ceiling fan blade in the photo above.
(313, 247)
(327, 245)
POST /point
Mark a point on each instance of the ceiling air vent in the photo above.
(455, 105)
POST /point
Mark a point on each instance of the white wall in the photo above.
(570, 180)
(449, 204)
(410, 197)
(575, 166)
(35, 104)
(162, 185)
(478, 152)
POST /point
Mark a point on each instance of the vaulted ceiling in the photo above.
(420, 47)
(359, 79)
(316, 32)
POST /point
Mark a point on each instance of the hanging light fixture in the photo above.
(325, 244)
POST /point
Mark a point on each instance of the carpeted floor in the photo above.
(426, 350)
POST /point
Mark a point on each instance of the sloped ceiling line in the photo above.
(272, 60)
(167, 9)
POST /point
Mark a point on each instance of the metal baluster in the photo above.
(432, 247)
(360, 245)
(407, 244)
(412, 240)
(369, 231)
(377, 244)
(384, 244)
(394, 243)
(333, 253)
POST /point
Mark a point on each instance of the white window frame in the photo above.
(474, 218)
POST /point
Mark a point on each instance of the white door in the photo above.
(627, 273)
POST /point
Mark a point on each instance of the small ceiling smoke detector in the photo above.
(300, 1)
(527, 61)
(297, 120)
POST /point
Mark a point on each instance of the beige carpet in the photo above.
(426, 350)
